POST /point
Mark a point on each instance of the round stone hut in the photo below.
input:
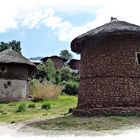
(110, 70)
(14, 72)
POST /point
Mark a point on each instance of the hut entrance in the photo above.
(138, 58)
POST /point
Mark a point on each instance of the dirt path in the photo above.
(16, 132)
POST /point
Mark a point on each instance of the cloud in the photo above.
(31, 13)
(34, 13)
(123, 10)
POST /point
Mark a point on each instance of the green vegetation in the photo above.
(45, 71)
(64, 80)
(71, 123)
(66, 54)
(71, 87)
(59, 107)
(46, 106)
(31, 105)
(15, 45)
(21, 107)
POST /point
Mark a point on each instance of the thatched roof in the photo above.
(10, 56)
(111, 28)
(54, 56)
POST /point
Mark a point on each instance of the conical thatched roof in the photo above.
(111, 28)
(10, 56)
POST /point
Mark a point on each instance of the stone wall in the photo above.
(13, 90)
(74, 64)
(109, 74)
(58, 62)
(14, 71)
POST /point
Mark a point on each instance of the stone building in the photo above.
(110, 70)
(74, 64)
(14, 72)
(58, 61)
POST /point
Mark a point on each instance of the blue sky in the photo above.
(45, 27)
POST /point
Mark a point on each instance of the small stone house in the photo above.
(110, 70)
(74, 64)
(14, 73)
(58, 61)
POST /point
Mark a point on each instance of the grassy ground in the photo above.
(70, 122)
(59, 120)
(60, 106)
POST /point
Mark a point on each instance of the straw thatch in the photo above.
(10, 56)
(111, 28)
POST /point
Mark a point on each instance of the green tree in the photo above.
(58, 77)
(51, 71)
(66, 54)
(15, 45)
(66, 73)
(45, 71)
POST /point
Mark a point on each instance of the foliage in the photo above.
(31, 105)
(46, 106)
(66, 74)
(45, 90)
(45, 71)
(66, 54)
(15, 45)
(50, 70)
(21, 107)
(71, 88)
(59, 106)
(58, 77)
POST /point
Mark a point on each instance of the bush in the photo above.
(71, 88)
(58, 77)
(31, 105)
(21, 107)
(45, 90)
(65, 73)
(46, 106)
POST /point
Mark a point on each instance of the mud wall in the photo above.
(14, 71)
(110, 73)
(13, 90)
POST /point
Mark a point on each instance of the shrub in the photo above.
(71, 88)
(58, 77)
(12, 104)
(45, 90)
(46, 106)
(21, 107)
(31, 105)
(66, 73)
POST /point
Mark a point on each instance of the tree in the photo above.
(66, 54)
(15, 45)
(66, 74)
(46, 71)
(50, 70)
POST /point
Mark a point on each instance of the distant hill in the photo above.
(36, 58)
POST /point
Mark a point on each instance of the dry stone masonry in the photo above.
(109, 70)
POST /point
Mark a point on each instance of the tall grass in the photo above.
(42, 91)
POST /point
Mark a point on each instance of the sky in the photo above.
(46, 27)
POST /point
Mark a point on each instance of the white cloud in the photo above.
(123, 10)
(32, 13)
